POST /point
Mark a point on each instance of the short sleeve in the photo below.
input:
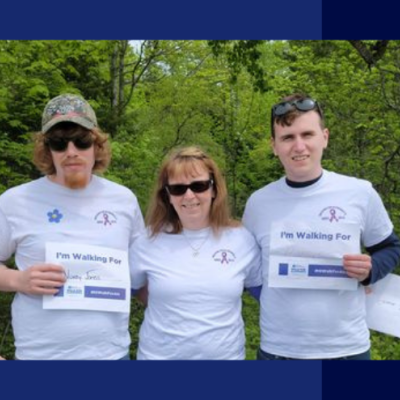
(7, 247)
(137, 272)
(253, 271)
(137, 223)
(378, 225)
(247, 216)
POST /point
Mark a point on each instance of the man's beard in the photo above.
(76, 180)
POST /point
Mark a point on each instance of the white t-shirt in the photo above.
(301, 323)
(102, 214)
(194, 307)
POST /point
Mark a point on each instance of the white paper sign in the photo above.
(310, 255)
(383, 305)
(97, 278)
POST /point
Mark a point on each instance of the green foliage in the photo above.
(384, 347)
(239, 54)
(250, 313)
(136, 318)
(134, 167)
(7, 348)
(15, 165)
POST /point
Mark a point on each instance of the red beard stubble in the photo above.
(76, 179)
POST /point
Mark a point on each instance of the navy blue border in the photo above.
(356, 19)
(204, 380)
(353, 380)
(208, 19)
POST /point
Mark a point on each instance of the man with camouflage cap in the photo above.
(68, 212)
(71, 108)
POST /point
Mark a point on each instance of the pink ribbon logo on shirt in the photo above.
(105, 218)
(224, 256)
(332, 214)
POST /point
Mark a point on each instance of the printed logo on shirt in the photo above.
(54, 216)
(332, 214)
(224, 256)
(106, 218)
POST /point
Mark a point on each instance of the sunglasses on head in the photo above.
(196, 187)
(61, 143)
(301, 105)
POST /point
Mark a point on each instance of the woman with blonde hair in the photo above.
(195, 261)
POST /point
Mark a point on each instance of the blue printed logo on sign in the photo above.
(105, 293)
(283, 269)
(297, 269)
(74, 291)
(330, 271)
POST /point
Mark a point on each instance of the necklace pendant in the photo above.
(196, 250)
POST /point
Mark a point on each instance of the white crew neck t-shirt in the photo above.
(300, 323)
(194, 307)
(102, 214)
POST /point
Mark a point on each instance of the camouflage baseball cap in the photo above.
(68, 108)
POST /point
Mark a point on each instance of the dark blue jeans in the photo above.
(263, 355)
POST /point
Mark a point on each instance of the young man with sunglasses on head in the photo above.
(74, 214)
(309, 214)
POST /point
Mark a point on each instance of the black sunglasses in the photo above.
(301, 105)
(196, 187)
(61, 143)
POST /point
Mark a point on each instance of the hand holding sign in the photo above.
(357, 266)
(40, 279)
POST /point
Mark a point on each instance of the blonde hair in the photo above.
(43, 159)
(187, 161)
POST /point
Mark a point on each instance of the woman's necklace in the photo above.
(196, 249)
